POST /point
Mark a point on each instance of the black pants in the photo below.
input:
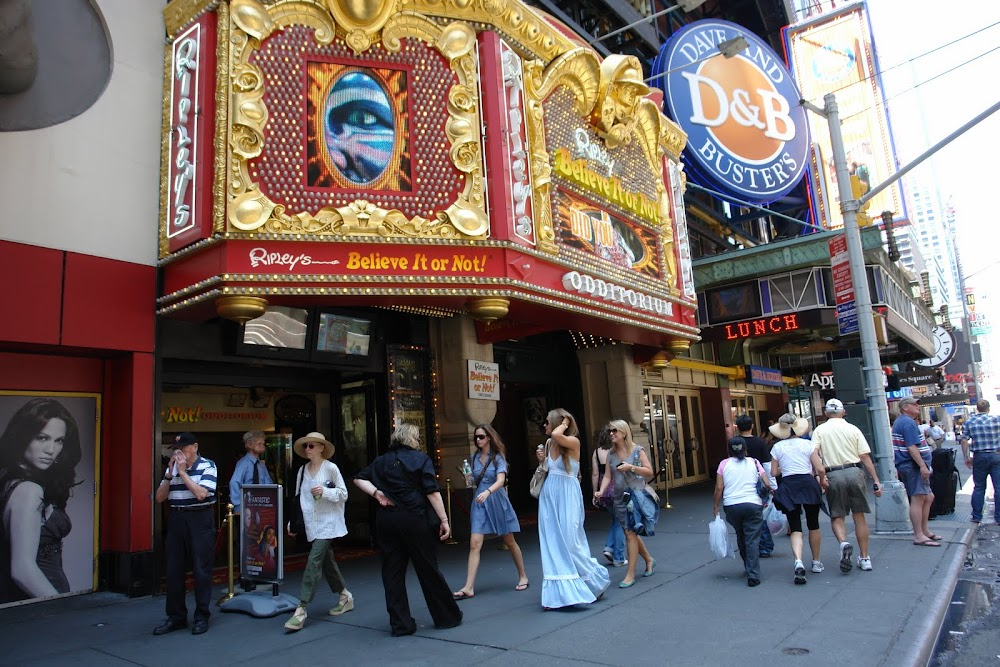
(403, 537)
(190, 536)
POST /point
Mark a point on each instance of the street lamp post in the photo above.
(891, 513)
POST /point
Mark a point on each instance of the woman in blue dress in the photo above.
(570, 574)
(491, 513)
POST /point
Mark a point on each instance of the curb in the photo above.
(928, 629)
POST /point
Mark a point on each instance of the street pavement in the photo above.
(695, 610)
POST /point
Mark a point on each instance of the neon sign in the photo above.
(762, 326)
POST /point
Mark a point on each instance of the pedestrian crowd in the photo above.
(829, 470)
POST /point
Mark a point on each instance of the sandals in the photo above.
(523, 587)
(462, 595)
(936, 538)
(927, 543)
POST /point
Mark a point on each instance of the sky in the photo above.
(927, 103)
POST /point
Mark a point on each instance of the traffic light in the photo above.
(890, 236)
(858, 190)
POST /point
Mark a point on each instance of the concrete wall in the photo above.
(91, 184)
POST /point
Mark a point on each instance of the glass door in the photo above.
(356, 413)
(673, 422)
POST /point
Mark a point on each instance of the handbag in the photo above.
(296, 523)
(763, 490)
(538, 479)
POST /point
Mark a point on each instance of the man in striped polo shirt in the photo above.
(188, 485)
(912, 456)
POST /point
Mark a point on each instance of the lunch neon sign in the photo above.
(763, 326)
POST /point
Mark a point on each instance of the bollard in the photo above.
(232, 589)
(447, 486)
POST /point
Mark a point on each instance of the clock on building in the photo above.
(944, 349)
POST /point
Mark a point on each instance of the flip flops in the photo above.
(462, 595)
(523, 587)
(936, 538)
(927, 543)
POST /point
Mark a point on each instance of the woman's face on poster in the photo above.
(46, 446)
(270, 537)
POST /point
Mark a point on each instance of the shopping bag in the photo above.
(718, 537)
(775, 520)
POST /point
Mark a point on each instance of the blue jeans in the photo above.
(615, 544)
(766, 541)
(983, 464)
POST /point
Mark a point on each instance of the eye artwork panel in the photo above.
(358, 120)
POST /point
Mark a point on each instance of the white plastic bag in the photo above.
(775, 520)
(718, 537)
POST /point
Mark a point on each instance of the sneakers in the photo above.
(865, 564)
(607, 554)
(619, 563)
(297, 620)
(800, 572)
(345, 603)
(817, 567)
(846, 551)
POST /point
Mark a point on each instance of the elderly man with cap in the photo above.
(912, 456)
(188, 485)
(844, 450)
(981, 451)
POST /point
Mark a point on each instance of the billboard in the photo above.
(835, 54)
(747, 135)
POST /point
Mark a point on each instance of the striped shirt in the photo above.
(983, 430)
(203, 473)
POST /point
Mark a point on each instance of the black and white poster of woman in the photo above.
(48, 477)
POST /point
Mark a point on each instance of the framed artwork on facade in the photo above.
(49, 474)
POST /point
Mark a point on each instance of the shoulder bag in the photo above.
(297, 524)
(538, 479)
(763, 490)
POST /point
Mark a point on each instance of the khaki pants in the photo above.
(321, 562)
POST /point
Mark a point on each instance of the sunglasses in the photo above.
(310, 445)
(480, 436)
(612, 430)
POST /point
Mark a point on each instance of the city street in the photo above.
(694, 611)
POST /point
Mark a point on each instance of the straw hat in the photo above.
(784, 431)
(315, 436)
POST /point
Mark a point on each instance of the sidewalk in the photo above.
(693, 611)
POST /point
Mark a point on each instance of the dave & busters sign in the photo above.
(747, 135)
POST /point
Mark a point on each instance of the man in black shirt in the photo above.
(758, 449)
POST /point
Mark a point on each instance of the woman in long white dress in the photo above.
(570, 575)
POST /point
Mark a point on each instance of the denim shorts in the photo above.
(909, 475)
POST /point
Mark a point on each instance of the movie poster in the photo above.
(262, 534)
(50, 440)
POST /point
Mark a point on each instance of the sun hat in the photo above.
(783, 430)
(315, 436)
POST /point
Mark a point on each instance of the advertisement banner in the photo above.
(262, 544)
(843, 286)
(835, 54)
(484, 380)
(52, 446)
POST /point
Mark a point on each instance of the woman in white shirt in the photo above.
(322, 496)
(736, 487)
(797, 461)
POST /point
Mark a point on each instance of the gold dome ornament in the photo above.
(679, 346)
(487, 309)
(240, 309)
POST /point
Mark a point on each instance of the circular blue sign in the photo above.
(747, 135)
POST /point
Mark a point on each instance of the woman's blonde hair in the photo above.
(554, 418)
(625, 430)
(406, 435)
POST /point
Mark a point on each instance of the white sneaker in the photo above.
(297, 620)
(817, 567)
(619, 563)
(846, 551)
(800, 572)
(865, 564)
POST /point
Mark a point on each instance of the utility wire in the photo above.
(755, 206)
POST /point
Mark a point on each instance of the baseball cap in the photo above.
(185, 439)
(833, 405)
(744, 423)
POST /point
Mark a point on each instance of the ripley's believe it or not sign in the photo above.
(747, 135)
(456, 154)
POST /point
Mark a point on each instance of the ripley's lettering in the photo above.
(260, 256)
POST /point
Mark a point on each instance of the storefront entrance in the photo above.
(673, 421)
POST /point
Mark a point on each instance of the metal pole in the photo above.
(232, 589)
(891, 513)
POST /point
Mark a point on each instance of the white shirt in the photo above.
(793, 456)
(739, 481)
(323, 518)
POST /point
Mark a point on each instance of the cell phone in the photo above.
(621, 464)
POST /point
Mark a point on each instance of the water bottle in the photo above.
(467, 472)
